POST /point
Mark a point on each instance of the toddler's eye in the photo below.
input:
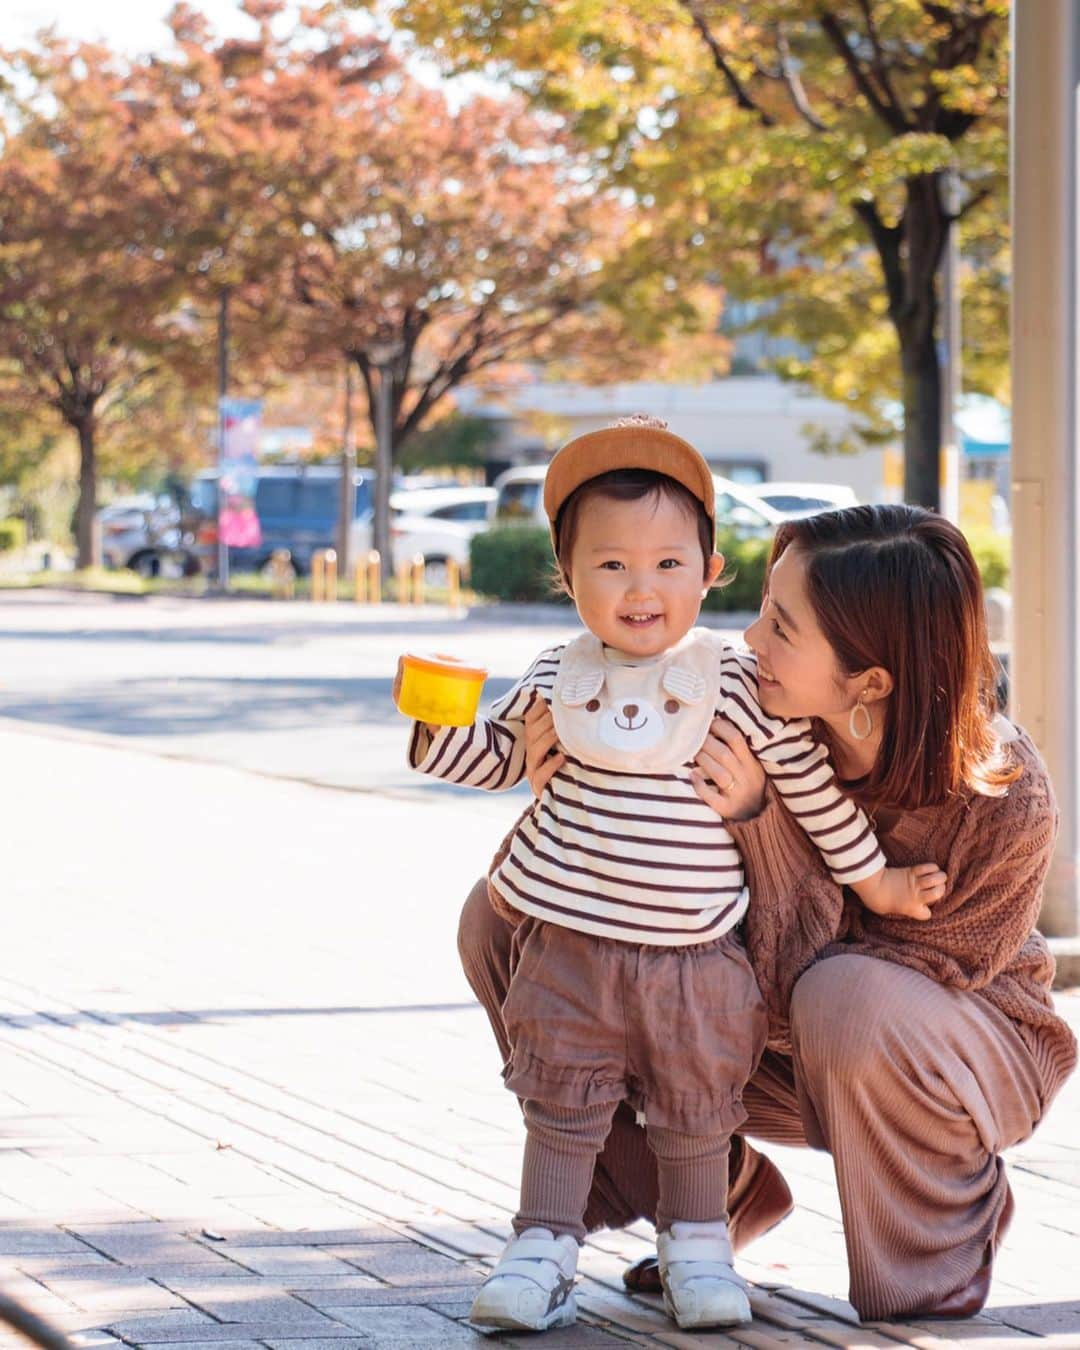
(612, 564)
(668, 563)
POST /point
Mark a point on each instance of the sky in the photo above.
(135, 25)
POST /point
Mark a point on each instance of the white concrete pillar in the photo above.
(1045, 662)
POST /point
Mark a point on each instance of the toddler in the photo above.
(629, 980)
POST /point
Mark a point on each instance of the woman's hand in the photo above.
(728, 776)
(543, 758)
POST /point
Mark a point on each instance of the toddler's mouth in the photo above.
(640, 620)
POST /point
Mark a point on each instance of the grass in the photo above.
(104, 581)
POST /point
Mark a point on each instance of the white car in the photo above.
(792, 500)
(520, 499)
(438, 522)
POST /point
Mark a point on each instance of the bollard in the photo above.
(374, 577)
(453, 582)
(403, 575)
(360, 572)
(418, 579)
(330, 575)
(282, 575)
(318, 576)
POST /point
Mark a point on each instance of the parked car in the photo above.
(297, 507)
(143, 532)
(435, 521)
(804, 499)
(520, 499)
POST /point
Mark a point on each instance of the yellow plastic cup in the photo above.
(440, 689)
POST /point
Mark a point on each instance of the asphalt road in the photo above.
(298, 690)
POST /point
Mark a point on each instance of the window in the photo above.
(275, 497)
(462, 511)
(318, 499)
(518, 501)
(363, 498)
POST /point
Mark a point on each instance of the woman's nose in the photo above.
(751, 635)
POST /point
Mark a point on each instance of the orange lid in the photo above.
(442, 664)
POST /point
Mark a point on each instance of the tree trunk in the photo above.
(921, 371)
(911, 254)
(87, 543)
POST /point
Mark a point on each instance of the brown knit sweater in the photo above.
(982, 937)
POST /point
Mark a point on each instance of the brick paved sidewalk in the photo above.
(247, 1099)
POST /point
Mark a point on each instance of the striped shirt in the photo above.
(641, 857)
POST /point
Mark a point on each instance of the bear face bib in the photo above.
(647, 718)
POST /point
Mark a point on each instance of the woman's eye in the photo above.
(778, 630)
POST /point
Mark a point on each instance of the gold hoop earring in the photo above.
(868, 721)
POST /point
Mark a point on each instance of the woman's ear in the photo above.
(874, 684)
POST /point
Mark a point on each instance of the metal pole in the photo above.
(223, 393)
(346, 501)
(951, 365)
(384, 464)
(1045, 667)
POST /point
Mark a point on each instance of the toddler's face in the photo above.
(637, 573)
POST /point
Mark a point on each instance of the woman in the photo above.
(914, 1051)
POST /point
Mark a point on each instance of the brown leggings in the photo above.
(560, 1157)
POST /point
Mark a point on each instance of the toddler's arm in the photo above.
(490, 754)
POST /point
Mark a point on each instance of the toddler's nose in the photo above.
(630, 710)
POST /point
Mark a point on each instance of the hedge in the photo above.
(12, 534)
(514, 562)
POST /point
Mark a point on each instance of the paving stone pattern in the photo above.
(247, 1099)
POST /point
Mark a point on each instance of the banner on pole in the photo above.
(238, 520)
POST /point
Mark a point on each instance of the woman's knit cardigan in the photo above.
(982, 936)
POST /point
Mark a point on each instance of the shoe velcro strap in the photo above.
(688, 1271)
(535, 1249)
(697, 1249)
(533, 1271)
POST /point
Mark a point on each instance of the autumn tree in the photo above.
(84, 322)
(797, 150)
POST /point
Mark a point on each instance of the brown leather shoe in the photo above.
(971, 1297)
(758, 1199)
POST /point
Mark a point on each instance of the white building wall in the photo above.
(740, 418)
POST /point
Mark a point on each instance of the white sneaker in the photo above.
(701, 1288)
(532, 1287)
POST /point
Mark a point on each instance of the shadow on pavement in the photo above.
(198, 706)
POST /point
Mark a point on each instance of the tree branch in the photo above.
(794, 84)
(892, 116)
(742, 95)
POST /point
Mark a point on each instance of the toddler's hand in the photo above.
(395, 692)
(903, 892)
(543, 758)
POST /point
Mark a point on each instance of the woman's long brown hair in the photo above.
(897, 587)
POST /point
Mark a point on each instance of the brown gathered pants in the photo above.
(913, 1088)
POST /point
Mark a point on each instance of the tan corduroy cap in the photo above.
(643, 443)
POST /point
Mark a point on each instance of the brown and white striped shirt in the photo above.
(641, 857)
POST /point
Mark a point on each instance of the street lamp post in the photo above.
(223, 393)
(348, 488)
(382, 356)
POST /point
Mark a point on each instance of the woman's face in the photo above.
(798, 673)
